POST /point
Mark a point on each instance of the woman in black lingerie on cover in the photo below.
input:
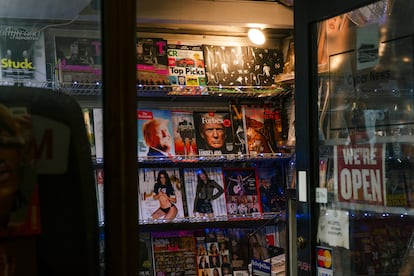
(165, 194)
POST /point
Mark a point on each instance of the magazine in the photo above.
(213, 252)
(238, 128)
(247, 244)
(160, 194)
(242, 197)
(227, 65)
(218, 204)
(155, 133)
(99, 182)
(98, 133)
(78, 60)
(88, 118)
(186, 69)
(174, 253)
(185, 143)
(266, 65)
(242, 65)
(214, 133)
(145, 260)
(261, 126)
(22, 56)
(271, 182)
(152, 61)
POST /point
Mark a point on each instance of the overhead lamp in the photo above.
(256, 36)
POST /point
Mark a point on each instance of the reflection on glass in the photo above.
(48, 49)
(365, 96)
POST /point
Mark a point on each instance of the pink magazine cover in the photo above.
(152, 61)
(78, 60)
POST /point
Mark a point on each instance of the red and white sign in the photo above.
(359, 173)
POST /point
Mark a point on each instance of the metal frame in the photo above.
(119, 105)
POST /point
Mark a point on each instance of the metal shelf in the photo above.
(197, 160)
(218, 222)
(168, 91)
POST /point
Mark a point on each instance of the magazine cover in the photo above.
(78, 60)
(266, 65)
(160, 194)
(238, 128)
(213, 252)
(220, 237)
(98, 133)
(274, 126)
(245, 244)
(242, 197)
(145, 264)
(155, 133)
(185, 143)
(204, 190)
(271, 188)
(242, 65)
(88, 118)
(174, 253)
(22, 53)
(214, 133)
(260, 123)
(152, 61)
(99, 182)
(398, 185)
(186, 69)
(227, 65)
(291, 134)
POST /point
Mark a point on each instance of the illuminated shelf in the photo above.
(95, 89)
(223, 221)
(215, 91)
(213, 159)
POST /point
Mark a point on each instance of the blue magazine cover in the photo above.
(155, 133)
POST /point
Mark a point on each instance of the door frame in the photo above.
(302, 249)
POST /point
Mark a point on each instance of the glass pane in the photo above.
(50, 81)
(214, 142)
(365, 100)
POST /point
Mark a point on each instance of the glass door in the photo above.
(365, 108)
(50, 90)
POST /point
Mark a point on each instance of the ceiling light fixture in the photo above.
(256, 36)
